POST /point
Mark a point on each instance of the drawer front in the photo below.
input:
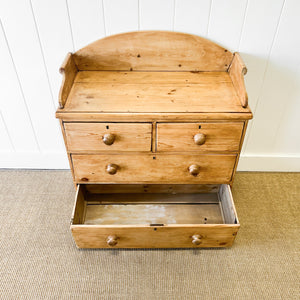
(81, 137)
(199, 136)
(180, 236)
(161, 168)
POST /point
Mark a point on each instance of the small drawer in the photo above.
(84, 137)
(155, 168)
(199, 136)
(153, 220)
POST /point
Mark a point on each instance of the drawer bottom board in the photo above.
(148, 214)
(171, 221)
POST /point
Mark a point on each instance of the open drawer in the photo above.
(154, 216)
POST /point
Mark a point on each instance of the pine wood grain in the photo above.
(145, 169)
(237, 70)
(155, 213)
(69, 71)
(61, 123)
(153, 50)
(152, 117)
(152, 198)
(180, 136)
(175, 225)
(82, 137)
(144, 77)
(79, 208)
(228, 207)
(151, 188)
(173, 93)
(212, 97)
(171, 236)
(240, 149)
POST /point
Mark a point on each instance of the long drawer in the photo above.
(159, 220)
(199, 136)
(149, 168)
(84, 137)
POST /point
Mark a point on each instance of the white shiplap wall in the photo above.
(35, 36)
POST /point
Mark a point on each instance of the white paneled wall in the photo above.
(35, 36)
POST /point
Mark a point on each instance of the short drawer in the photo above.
(156, 220)
(84, 137)
(199, 136)
(159, 168)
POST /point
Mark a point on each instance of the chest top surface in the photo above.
(153, 72)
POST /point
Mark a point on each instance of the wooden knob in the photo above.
(196, 239)
(194, 170)
(108, 139)
(111, 169)
(199, 138)
(112, 240)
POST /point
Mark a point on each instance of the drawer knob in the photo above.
(199, 138)
(196, 239)
(111, 169)
(108, 139)
(194, 170)
(112, 240)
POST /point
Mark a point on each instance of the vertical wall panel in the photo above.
(156, 14)
(35, 36)
(121, 16)
(226, 22)
(6, 144)
(279, 83)
(287, 139)
(192, 16)
(20, 29)
(257, 39)
(13, 108)
(55, 36)
(87, 21)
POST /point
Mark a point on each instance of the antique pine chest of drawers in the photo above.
(153, 124)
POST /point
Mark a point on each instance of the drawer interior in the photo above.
(153, 205)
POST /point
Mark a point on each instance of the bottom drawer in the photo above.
(154, 216)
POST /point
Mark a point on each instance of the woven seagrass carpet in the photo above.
(39, 260)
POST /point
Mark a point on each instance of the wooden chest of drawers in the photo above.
(153, 124)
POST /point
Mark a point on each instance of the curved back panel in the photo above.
(153, 51)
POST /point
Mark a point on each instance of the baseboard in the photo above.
(24, 160)
(269, 163)
(60, 161)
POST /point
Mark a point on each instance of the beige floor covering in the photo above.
(39, 260)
